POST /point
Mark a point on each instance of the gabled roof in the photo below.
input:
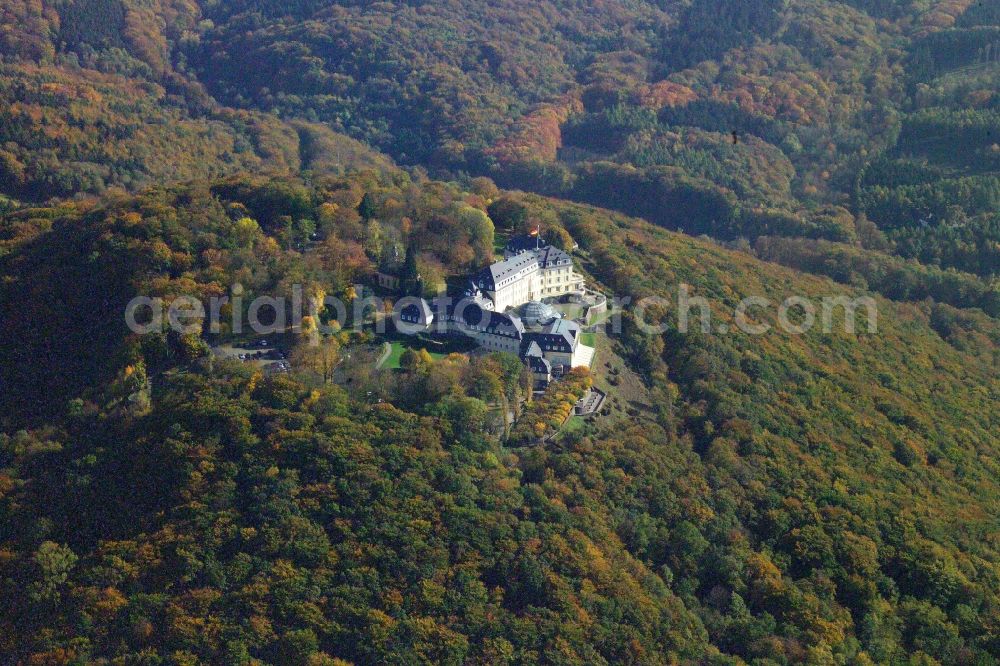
(550, 256)
(552, 342)
(521, 252)
(504, 324)
(416, 311)
(539, 364)
(559, 326)
(469, 312)
(493, 276)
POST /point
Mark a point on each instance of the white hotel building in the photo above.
(530, 271)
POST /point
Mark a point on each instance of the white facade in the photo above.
(531, 275)
(531, 271)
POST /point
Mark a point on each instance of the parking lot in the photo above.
(260, 352)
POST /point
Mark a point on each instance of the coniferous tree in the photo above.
(366, 209)
(409, 281)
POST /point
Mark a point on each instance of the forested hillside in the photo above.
(89, 100)
(797, 499)
(700, 116)
(825, 498)
(710, 109)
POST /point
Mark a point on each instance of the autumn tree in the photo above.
(319, 354)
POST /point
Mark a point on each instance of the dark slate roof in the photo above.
(538, 364)
(494, 275)
(550, 256)
(523, 253)
(523, 243)
(557, 342)
(506, 325)
(469, 313)
(532, 349)
(418, 311)
(564, 326)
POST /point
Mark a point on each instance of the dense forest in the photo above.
(176, 508)
(824, 498)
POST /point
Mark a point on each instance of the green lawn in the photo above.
(500, 239)
(399, 346)
(574, 425)
(589, 339)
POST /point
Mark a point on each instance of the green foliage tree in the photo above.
(53, 563)
(366, 209)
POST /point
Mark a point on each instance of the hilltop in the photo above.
(784, 497)
(827, 497)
